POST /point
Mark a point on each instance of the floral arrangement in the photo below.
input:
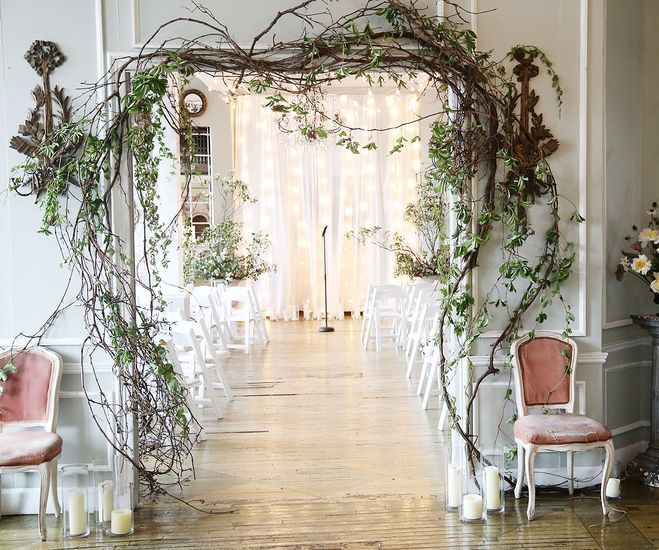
(428, 258)
(643, 260)
(222, 252)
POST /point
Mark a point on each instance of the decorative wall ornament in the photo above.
(532, 141)
(40, 137)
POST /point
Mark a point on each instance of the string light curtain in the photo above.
(301, 186)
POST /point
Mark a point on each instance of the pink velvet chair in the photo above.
(544, 370)
(30, 399)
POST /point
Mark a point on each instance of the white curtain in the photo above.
(301, 187)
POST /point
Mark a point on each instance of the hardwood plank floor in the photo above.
(326, 446)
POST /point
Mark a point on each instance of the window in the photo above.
(199, 152)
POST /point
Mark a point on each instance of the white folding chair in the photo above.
(206, 302)
(367, 313)
(185, 337)
(259, 315)
(422, 296)
(238, 307)
(192, 385)
(385, 307)
(422, 332)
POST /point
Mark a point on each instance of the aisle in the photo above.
(317, 417)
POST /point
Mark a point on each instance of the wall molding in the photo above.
(585, 358)
(627, 343)
(55, 342)
(627, 366)
(646, 363)
(630, 427)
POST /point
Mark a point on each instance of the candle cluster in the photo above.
(474, 490)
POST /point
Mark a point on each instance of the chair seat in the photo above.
(560, 429)
(28, 448)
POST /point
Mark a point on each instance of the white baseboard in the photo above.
(628, 452)
(23, 501)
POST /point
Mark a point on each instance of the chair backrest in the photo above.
(388, 292)
(31, 394)
(544, 369)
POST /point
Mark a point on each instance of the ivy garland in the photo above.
(487, 164)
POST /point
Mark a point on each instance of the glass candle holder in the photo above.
(453, 477)
(493, 470)
(102, 492)
(122, 517)
(74, 484)
(474, 497)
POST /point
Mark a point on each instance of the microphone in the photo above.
(325, 328)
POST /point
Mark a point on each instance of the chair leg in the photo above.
(530, 476)
(248, 335)
(44, 471)
(608, 466)
(520, 471)
(425, 371)
(442, 415)
(367, 330)
(570, 472)
(376, 321)
(433, 373)
(224, 382)
(53, 488)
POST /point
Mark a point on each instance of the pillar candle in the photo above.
(77, 513)
(122, 521)
(472, 506)
(492, 487)
(453, 485)
(105, 500)
(613, 488)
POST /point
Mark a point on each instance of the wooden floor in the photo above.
(326, 446)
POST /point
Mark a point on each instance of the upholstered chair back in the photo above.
(30, 394)
(544, 372)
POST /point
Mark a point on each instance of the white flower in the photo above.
(649, 235)
(654, 285)
(624, 262)
(641, 264)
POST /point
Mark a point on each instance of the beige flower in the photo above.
(654, 285)
(641, 264)
(649, 235)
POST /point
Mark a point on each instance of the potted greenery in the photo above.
(222, 252)
(428, 259)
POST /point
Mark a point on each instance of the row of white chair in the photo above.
(199, 341)
(411, 315)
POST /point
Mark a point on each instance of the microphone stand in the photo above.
(325, 328)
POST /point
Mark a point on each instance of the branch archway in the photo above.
(488, 153)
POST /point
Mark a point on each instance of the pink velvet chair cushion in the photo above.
(542, 365)
(25, 395)
(28, 448)
(560, 429)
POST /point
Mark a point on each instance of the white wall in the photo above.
(31, 279)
